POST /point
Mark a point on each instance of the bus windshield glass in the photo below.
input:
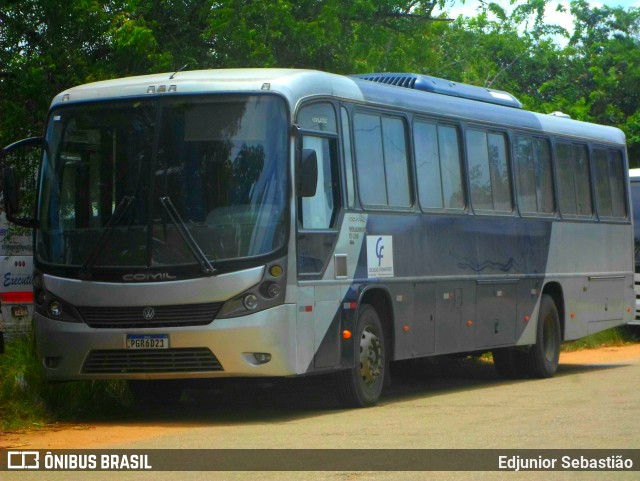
(164, 181)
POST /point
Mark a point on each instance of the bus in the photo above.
(16, 289)
(278, 223)
(634, 182)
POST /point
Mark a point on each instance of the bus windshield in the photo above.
(163, 181)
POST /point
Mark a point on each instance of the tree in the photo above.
(601, 72)
(45, 49)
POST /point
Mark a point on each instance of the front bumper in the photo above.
(71, 351)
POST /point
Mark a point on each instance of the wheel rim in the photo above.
(371, 358)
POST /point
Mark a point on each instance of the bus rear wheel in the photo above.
(361, 385)
(543, 357)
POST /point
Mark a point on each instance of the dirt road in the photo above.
(149, 428)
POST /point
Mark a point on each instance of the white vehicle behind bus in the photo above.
(16, 283)
(634, 180)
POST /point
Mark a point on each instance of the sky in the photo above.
(563, 19)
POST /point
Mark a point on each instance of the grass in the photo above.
(618, 336)
(21, 402)
(28, 402)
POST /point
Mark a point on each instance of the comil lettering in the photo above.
(158, 276)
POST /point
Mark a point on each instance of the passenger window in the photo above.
(583, 180)
(488, 171)
(369, 159)
(438, 166)
(544, 183)
(609, 183)
(535, 182)
(574, 184)
(381, 160)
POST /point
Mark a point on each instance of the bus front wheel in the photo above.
(361, 385)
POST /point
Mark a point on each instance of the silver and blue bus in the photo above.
(279, 223)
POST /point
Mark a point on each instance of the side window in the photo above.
(535, 181)
(381, 160)
(348, 160)
(544, 183)
(574, 184)
(489, 171)
(318, 212)
(438, 169)
(566, 179)
(583, 180)
(609, 182)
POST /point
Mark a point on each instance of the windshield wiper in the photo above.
(118, 213)
(188, 239)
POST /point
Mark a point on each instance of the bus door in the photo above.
(319, 296)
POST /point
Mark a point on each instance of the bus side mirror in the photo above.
(20, 161)
(307, 175)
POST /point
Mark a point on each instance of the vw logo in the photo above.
(148, 313)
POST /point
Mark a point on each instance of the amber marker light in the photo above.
(276, 271)
(346, 334)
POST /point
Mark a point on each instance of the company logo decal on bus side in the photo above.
(380, 256)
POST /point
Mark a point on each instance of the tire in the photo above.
(361, 385)
(510, 363)
(543, 357)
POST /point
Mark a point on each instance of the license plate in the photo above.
(19, 311)
(147, 341)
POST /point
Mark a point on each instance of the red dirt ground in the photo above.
(96, 435)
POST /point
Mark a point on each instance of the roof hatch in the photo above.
(444, 87)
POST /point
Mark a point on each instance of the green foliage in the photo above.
(26, 400)
(618, 336)
(20, 379)
(45, 48)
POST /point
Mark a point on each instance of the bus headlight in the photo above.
(250, 302)
(270, 290)
(55, 309)
(268, 293)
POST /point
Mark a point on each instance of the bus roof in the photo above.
(297, 85)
